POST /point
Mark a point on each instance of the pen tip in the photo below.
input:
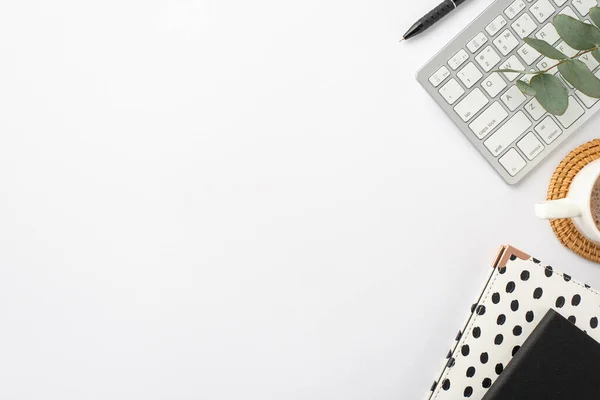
(402, 40)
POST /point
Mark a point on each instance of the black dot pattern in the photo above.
(446, 384)
(510, 287)
(465, 350)
(499, 368)
(484, 358)
(517, 330)
(502, 319)
(498, 339)
(470, 372)
(468, 391)
(515, 350)
(496, 298)
(529, 316)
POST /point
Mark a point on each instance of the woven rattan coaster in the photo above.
(564, 229)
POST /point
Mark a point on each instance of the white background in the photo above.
(233, 199)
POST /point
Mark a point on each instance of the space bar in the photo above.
(507, 134)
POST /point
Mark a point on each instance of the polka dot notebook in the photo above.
(518, 293)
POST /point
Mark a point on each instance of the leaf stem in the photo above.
(569, 59)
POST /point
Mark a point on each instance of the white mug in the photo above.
(577, 204)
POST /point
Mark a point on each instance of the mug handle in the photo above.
(561, 208)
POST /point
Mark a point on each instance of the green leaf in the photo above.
(595, 15)
(596, 55)
(525, 88)
(577, 34)
(545, 48)
(550, 93)
(579, 75)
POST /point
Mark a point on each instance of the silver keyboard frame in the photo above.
(459, 42)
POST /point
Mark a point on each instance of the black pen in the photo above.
(432, 17)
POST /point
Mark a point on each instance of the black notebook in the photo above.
(558, 361)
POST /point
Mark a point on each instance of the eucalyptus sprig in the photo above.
(546, 87)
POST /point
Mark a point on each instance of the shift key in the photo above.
(507, 133)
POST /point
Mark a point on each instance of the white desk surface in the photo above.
(232, 199)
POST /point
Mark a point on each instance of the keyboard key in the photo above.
(514, 9)
(494, 27)
(528, 54)
(569, 11)
(488, 120)
(574, 111)
(524, 25)
(542, 10)
(493, 84)
(535, 109)
(546, 63)
(512, 63)
(513, 98)
(548, 130)
(439, 76)
(585, 99)
(589, 60)
(471, 104)
(559, 2)
(488, 59)
(512, 162)
(548, 33)
(451, 91)
(476, 43)
(583, 6)
(506, 42)
(469, 75)
(507, 134)
(530, 146)
(566, 49)
(458, 59)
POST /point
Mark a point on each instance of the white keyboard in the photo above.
(512, 131)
